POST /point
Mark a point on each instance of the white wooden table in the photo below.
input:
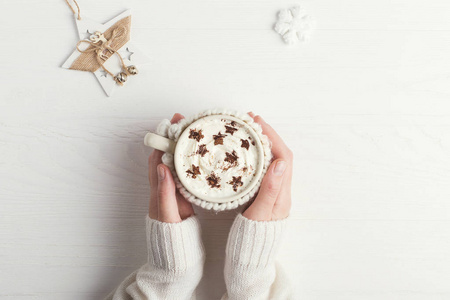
(365, 106)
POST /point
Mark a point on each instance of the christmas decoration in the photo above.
(105, 50)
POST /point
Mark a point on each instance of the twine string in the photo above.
(103, 48)
(103, 45)
(73, 10)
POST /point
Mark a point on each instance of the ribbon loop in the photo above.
(97, 37)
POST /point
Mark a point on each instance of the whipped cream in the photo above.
(219, 157)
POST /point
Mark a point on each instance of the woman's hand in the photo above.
(273, 201)
(166, 203)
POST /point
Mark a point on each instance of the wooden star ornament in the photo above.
(106, 50)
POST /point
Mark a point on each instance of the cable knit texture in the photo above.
(250, 268)
(176, 257)
(174, 265)
(173, 131)
(174, 246)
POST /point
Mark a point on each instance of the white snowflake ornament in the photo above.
(294, 25)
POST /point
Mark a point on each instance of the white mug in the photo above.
(170, 146)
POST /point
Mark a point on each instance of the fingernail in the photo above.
(161, 173)
(279, 168)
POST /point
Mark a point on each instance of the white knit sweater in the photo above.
(176, 257)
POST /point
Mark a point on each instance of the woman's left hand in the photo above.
(166, 202)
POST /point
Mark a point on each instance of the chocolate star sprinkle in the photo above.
(230, 130)
(235, 182)
(245, 144)
(194, 172)
(196, 135)
(218, 138)
(231, 157)
(213, 180)
(202, 150)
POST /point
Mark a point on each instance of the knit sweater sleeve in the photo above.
(251, 271)
(174, 265)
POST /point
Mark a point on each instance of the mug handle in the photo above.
(159, 142)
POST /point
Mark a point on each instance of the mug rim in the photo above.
(248, 188)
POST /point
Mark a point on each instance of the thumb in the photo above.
(261, 208)
(167, 201)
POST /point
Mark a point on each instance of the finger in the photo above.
(167, 201)
(282, 206)
(154, 160)
(176, 118)
(261, 208)
(251, 114)
(279, 148)
(184, 207)
(271, 184)
(155, 157)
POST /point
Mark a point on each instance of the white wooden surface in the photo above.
(365, 106)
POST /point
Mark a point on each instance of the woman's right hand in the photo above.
(273, 201)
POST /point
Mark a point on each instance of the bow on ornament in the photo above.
(104, 45)
(104, 49)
